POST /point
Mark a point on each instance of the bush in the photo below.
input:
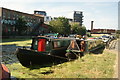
(118, 35)
(88, 34)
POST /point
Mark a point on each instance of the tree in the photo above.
(118, 32)
(21, 25)
(60, 25)
(77, 29)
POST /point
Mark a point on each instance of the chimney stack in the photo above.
(92, 25)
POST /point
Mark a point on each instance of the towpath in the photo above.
(114, 47)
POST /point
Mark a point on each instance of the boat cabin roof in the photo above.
(54, 39)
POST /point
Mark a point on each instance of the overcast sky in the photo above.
(104, 13)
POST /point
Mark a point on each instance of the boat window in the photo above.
(48, 46)
(35, 45)
(61, 43)
(57, 44)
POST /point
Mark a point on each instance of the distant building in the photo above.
(108, 31)
(103, 31)
(42, 13)
(9, 17)
(78, 17)
(47, 19)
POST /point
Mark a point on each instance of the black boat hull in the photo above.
(29, 57)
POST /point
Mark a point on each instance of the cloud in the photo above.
(101, 12)
(102, 23)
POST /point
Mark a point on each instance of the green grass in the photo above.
(89, 66)
(17, 42)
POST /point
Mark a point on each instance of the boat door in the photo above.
(41, 45)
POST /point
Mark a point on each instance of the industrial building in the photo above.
(8, 20)
(78, 17)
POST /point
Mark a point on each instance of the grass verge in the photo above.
(89, 66)
(17, 42)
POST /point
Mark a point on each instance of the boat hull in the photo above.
(29, 57)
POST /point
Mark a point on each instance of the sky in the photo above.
(104, 13)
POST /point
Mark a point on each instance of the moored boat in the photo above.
(46, 50)
(43, 50)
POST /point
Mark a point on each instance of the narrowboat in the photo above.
(43, 50)
(79, 48)
(56, 50)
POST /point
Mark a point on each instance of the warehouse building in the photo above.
(8, 20)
